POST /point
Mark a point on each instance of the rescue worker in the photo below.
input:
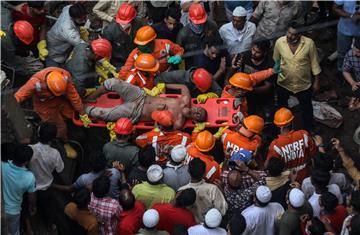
(34, 13)
(199, 82)
(82, 61)
(242, 83)
(165, 51)
(191, 37)
(15, 47)
(54, 98)
(163, 135)
(143, 75)
(201, 148)
(121, 33)
(294, 148)
(247, 137)
(67, 32)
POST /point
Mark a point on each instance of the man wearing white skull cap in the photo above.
(238, 34)
(210, 226)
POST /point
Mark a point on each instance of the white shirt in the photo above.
(314, 202)
(261, 220)
(336, 178)
(43, 162)
(201, 230)
(237, 41)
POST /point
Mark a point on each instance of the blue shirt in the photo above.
(15, 182)
(346, 26)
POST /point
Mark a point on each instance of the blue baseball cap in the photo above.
(242, 155)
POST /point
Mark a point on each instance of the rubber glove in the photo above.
(43, 52)
(276, 68)
(218, 134)
(176, 59)
(89, 91)
(2, 34)
(102, 73)
(84, 34)
(203, 97)
(110, 126)
(86, 120)
(107, 65)
(199, 126)
(147, 91)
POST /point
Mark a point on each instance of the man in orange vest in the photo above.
(242, 83)
(54, 98)
(165, 51)
(143, 75)
(163, 136)
(295, 148)
(247, 137)
(201, 148)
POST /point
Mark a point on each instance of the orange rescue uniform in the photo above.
(136, 78)
(163, 48)
(212, 171)
(236, 142)
(49, 107)
(296, 149)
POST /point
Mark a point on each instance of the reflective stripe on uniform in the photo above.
(306, 140)
(142, 79)
(210, 172)
(154, 141)
(183, 141)
(167, 48)
(130, 78)
(277, 150)
(38, 86)
(135, 56)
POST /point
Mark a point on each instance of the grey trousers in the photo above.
(13, 223)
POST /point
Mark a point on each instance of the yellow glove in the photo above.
(110, 126)
(199, 126)
(102, 73)
(2, 34)
(147, 91)
(84, 34)
(106, 64)
(43, 52)
(218, 134)
(86, 120)
(89, 91)
(203, 97)
(161, 87)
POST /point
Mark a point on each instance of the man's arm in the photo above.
(32, 203)
(258, 13)
(185, 93)
(64, 188)
(338, 9)
(101, 90)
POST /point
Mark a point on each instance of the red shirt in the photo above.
(337, 219)
(170, 216)
(131, 220)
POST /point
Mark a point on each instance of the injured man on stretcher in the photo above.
(138, 106)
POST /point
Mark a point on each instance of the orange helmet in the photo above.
(254, 123)
(24, 31)
(144, 35)
(241, 80)
(163, 117)
(205, 141)
(56, 82)
(101, 47)
(283, 117)
(146, 62)
(202, 79)
(125, 14)
(197, 13)
(123, 126)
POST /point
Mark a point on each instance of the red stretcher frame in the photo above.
(219, 110)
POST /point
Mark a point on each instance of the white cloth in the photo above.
(43, 162)
(261, 220)
(235, 40)
(314, 202)
(344, 229)
(201, 230)
(336, 178)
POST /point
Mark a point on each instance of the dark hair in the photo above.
(82, 198)
(323, 162)
(329, 201)
(355, 225)
(186, 198)
(263, 45)
(98, 163)
(320, 178)
(316, 227)
(77, 10)
(173, 12)
(357, 43)
(197, 168)
(275, 167)
(293, 24)
(237, 224)
(179, 229)
(36, 4)
(147, 156)
(127, 199)
(212, 41)
(47, 132)
(101, 186)
(355, 200)
(23, 154)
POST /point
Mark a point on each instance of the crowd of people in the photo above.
(235, 179)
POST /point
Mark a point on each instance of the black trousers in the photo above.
(304, 98)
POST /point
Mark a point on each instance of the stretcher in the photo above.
(220, 110)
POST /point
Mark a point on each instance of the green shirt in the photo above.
(290, 220)
(150, 194)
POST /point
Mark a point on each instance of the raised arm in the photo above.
(185, 93)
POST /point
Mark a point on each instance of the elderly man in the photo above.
(239, 33)
(299, 63)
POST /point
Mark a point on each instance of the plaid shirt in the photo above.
(247, 180)
(107, 212)
(352, 64)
